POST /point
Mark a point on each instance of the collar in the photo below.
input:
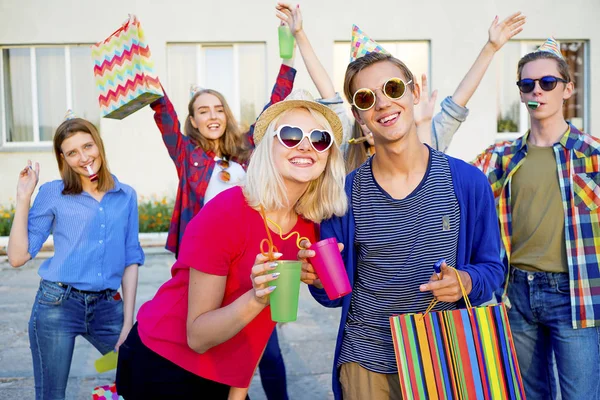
(568, 139)
(118, 186)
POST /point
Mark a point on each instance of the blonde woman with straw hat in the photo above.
(205, 330)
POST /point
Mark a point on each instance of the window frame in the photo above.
(235, 102)
(36, 143)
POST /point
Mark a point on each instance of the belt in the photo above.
(65, 286)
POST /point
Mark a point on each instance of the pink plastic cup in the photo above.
(330, 267)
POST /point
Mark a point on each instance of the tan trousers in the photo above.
(359, 383)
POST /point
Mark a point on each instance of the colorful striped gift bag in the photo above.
(124, 72)
(457, 354)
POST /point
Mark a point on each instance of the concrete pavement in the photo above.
(307, 344)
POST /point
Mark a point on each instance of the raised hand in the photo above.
(28, 180)
(424, 110)
(501, 32)
(290, 16)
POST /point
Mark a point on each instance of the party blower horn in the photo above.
(93, 177)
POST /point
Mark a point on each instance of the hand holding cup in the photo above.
(263, 273)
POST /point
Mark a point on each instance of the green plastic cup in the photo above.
(106, 362)
(286, 42)
(284, 300)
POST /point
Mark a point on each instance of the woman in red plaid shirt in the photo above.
(212, 138)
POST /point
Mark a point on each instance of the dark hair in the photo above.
(232, 143)
(369, 59)
(563, 67)
(72, 180)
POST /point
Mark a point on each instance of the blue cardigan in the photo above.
(478, 244)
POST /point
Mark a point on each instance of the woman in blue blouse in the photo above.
(94, 220)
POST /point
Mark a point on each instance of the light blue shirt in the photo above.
(93, 241)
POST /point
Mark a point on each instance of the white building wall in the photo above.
(456, 30)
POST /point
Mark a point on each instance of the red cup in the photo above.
(330, 267)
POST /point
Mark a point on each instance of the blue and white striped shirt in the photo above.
(93, 241)
(397, 242)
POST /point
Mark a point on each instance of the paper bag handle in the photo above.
(434, 301)
(131, 18)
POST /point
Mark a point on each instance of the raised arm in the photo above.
(498, 34)
(454, 112)
(170, 128)
(283, 87)
(18, 241)
(292, 16)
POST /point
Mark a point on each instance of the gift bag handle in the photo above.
(131, 18)
(434, 301)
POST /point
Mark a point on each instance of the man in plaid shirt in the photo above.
(547, 190)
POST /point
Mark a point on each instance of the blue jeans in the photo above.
(540, 320)
(58, 316)
(272, 370)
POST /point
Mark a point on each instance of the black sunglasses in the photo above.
(547, 83)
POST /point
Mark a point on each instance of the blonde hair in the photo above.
(324, 197)
(563, 67)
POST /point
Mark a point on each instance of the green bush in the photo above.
(507, 125)
(155, 214)
(6, 218)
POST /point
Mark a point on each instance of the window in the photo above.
(415, 54)
(513, 118)
(37, 87)
(238, 71)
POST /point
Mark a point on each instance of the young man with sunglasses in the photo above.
(547, 189)
(409, 206)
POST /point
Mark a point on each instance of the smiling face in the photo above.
(389, 120)
(302, 164)
(80, 151)
(209, 116)
(550, 102)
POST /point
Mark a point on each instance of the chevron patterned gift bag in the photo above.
(124, 72)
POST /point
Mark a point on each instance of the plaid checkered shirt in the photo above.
(578, 165)
(194, 164)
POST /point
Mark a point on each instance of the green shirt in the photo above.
(538, 239)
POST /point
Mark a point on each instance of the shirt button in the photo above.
(101, 208)
(102, 226)
(529, 277)
(101, 241)
(196, 164)
(99, 274)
